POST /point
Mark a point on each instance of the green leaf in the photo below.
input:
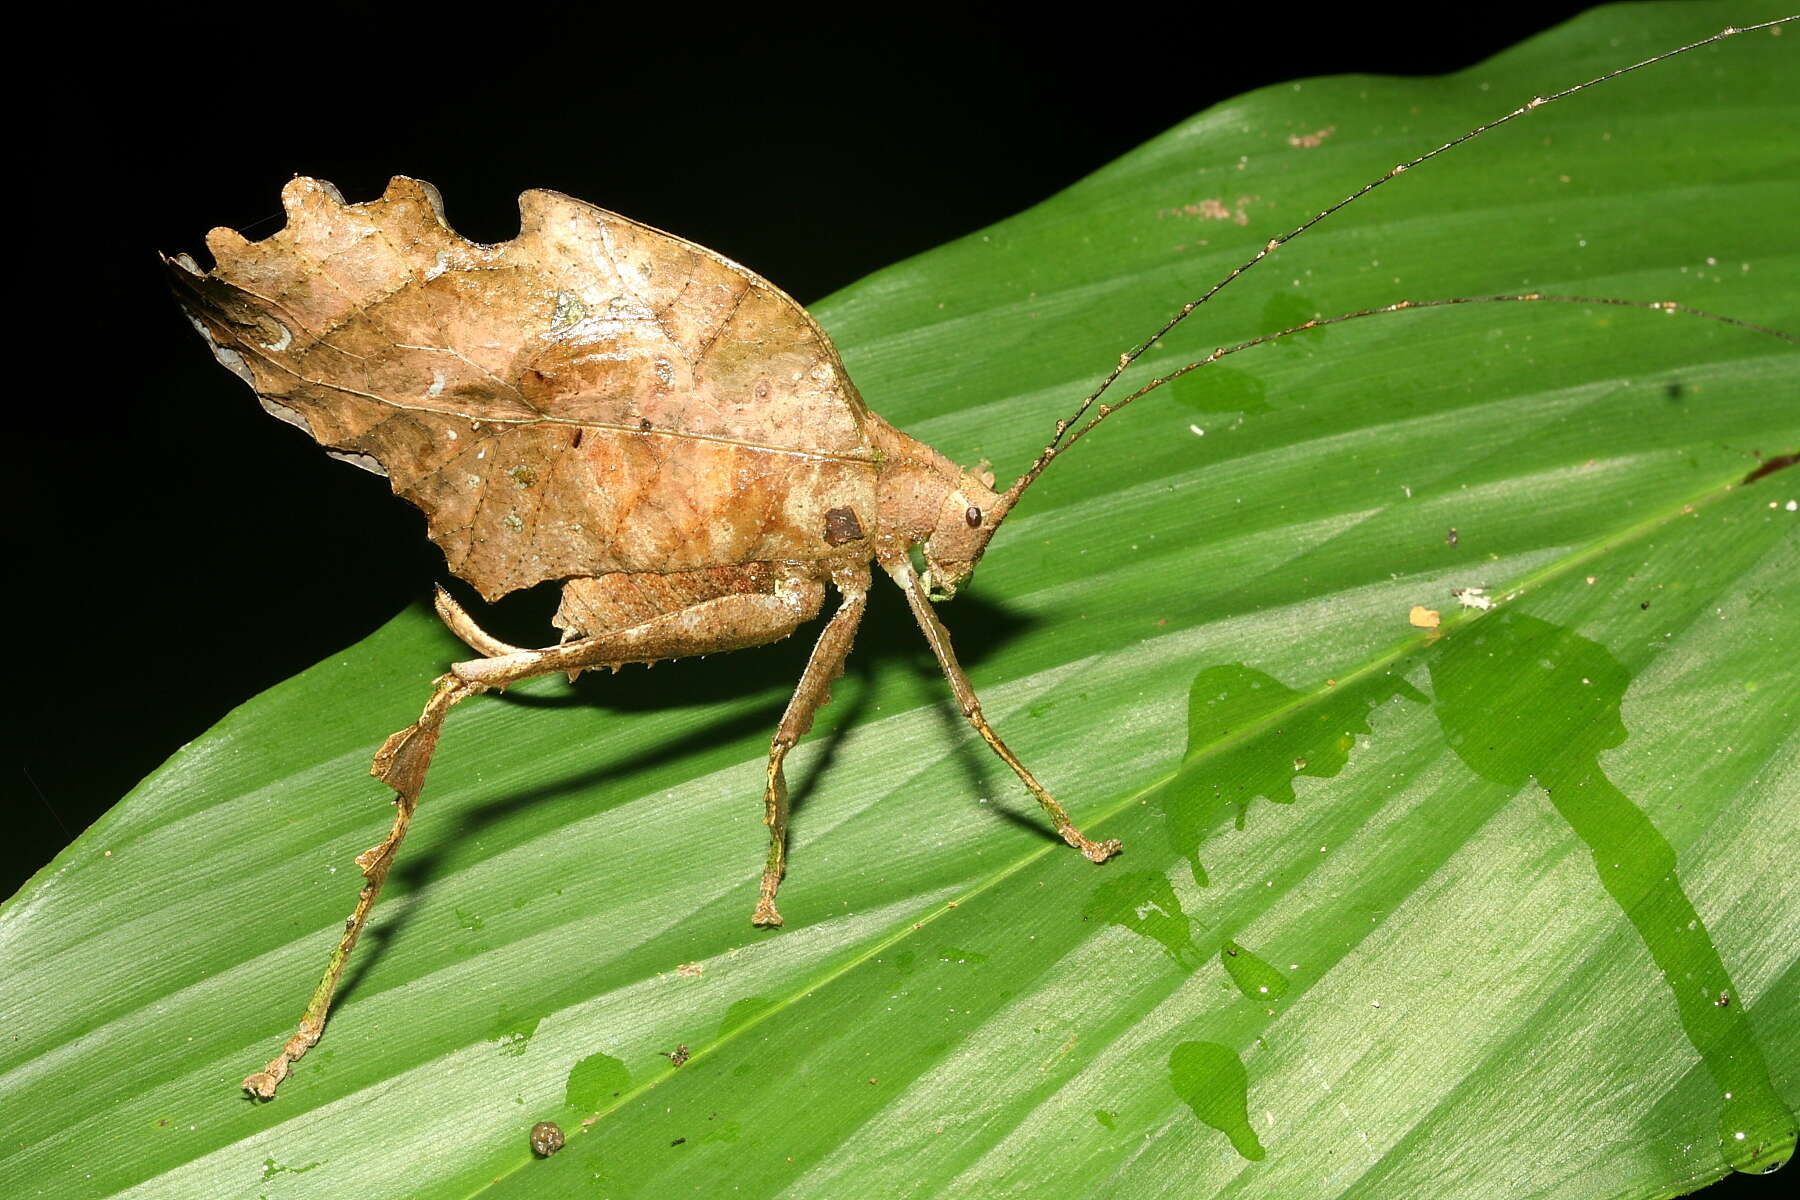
(1493, 908)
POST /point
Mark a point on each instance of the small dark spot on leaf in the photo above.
(1772, 465)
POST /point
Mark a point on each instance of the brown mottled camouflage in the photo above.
(601, 403)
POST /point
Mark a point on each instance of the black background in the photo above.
(173, 550)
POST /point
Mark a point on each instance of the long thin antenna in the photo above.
(1667, 306)
(1536, 102)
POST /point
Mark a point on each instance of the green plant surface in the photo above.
(1495, 908)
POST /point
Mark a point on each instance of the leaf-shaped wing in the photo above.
(592, 396)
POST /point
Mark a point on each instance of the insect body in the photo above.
(605, 404)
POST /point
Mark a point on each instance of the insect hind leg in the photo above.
(459, 622)
(401, 763)
(713, 626)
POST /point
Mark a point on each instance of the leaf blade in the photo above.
(531, 793)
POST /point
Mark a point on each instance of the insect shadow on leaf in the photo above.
(664, 432)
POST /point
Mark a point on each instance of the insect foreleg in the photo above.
(939, 639)
(812, 693)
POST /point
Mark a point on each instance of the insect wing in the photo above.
(591, 396)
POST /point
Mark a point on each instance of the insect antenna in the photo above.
(1063, 439)
(1667, 306)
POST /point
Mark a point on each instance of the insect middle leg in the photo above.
(811, 694)
(938, 638)
(715, 625)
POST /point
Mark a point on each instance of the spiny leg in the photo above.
(713, 626)
(725, 623)
(811, 694)
(939, 639)
(457, 619)
(459, 622)
(401, 763)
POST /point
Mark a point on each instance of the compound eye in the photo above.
(973, 517)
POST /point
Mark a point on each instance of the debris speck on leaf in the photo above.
(546, 1138)
(1473, 597)
(1213, 208)
(1311, 141)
